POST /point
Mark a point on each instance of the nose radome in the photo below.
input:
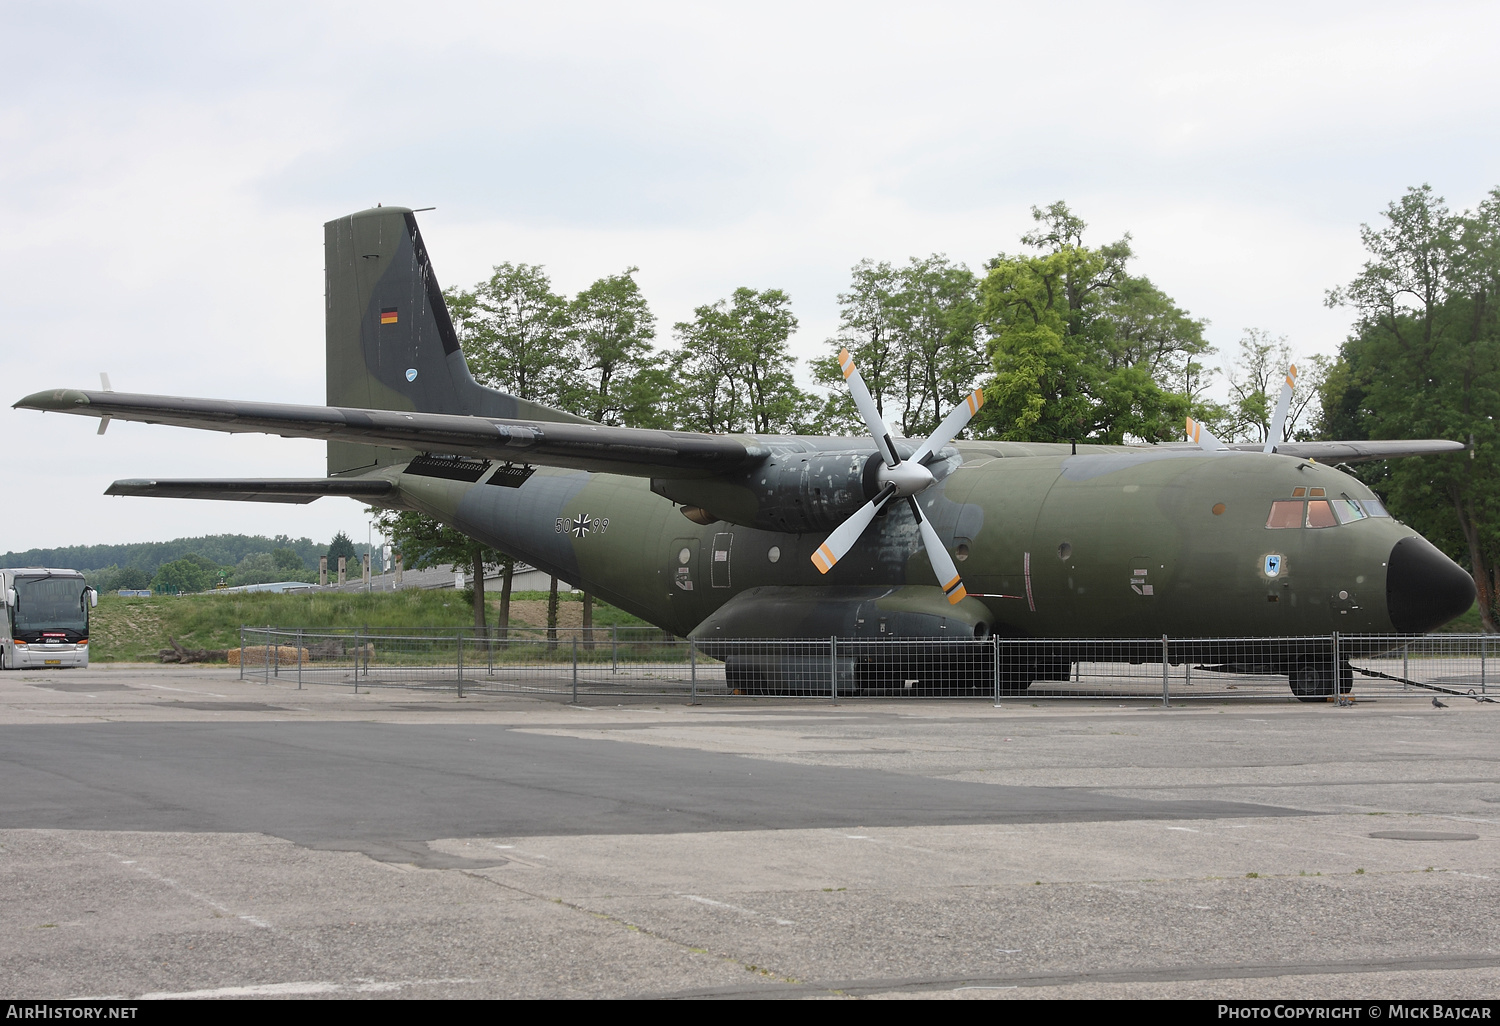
(1424, 588)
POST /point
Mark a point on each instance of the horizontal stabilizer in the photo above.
(636, 452)
(265, 489)
(1358, 452)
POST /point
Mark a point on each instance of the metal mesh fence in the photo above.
(648, 662)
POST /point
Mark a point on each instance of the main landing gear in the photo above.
(1311, 678)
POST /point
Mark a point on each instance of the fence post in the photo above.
(1405, 673)
(614, 648)
(356, 660)
(265, 670)
(242, 651)
(575, 669)
(833, 668)
(299, 658)
(995, 646)
(459, 637)
(1166, 666)
(693, 661)
(277, 656)
(1483, 689)
(1338, 694)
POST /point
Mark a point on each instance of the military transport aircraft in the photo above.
(760, 536)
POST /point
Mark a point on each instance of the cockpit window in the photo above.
(1319, 514)
(1285, 513)
(1348, 511)
(1373, 507)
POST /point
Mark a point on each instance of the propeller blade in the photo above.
(846, 534)
(951, 425)
(874, 423)
(1277, 433)
(1204, 438)
(937, 555)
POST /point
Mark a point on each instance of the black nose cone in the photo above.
(1424, 588)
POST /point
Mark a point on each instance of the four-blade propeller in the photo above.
(899, 478)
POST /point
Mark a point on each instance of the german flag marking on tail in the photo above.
(823, 559)
(388, 315)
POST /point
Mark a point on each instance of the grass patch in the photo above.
(134, 629)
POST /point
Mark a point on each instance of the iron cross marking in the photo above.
(582, 525)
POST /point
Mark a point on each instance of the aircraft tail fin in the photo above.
(391, 344)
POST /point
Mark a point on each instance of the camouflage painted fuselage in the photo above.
(1107, 542)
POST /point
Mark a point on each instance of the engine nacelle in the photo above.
(791, 491)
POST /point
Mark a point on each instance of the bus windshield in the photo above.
(57, 603)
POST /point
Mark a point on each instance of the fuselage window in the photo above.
(1374, 507)
(1320, 514)
(1314, 491)
(1285, 513)
(1297, 493)
(1347, 510)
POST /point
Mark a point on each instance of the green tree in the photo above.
(514, 332)
(612, 330)
(733, 368)
(914, 331)
(1080, 346)
(867, 328)
(256, 568)
(708, 393)
(287, 559)
(424, 542)
(182, 576)
(939, 355)
(340, 546)
(1423, 361)
(132, 578)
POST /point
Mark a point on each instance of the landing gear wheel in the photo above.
(1312, 681)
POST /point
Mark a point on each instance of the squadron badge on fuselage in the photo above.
(1273, 566)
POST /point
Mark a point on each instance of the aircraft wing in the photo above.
(635, 452)
(1358, 452)
(298, 490)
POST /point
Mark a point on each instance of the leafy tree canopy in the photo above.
(1423, 361)
(1080, 346)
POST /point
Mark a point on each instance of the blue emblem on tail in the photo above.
(411, 374)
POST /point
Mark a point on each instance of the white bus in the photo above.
(46, 618)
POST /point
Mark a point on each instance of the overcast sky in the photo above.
(165, 171)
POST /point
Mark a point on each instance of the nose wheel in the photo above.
(1311, 679)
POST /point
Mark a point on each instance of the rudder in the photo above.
(390, 341)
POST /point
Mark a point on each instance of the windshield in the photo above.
(44, 603)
